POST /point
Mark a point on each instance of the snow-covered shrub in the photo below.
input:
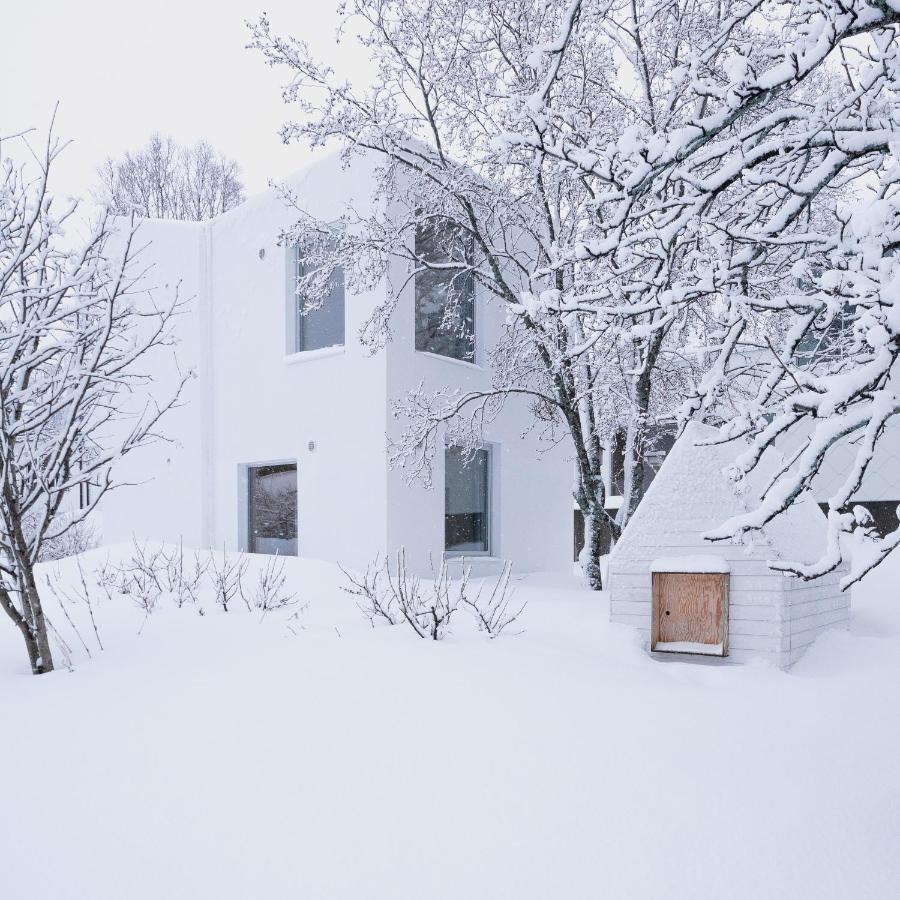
(140, 577)
(149, 574)
(270, 592)
(492, 611)
(183, 582)
(76, 594)
(392, 594)
(227, 578)
(78, 539)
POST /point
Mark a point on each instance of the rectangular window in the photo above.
(321, 324)
(272, 509)
(467, 501)
(445, 298)
(85, 495)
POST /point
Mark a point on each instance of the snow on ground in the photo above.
(219, 756)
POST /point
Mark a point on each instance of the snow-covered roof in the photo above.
(693, 494)
(691, 563)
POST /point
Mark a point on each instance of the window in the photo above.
(315, 326)
(85, 494)
(617, 481)
(272, 509)
(467, 501)
(445, 298)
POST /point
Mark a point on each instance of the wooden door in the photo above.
(690, 613)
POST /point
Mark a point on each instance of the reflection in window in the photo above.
(618, 464)
(445, 298)
(321, 324)
(467, 501)
(272, 509)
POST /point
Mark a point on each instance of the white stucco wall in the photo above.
(531, 496)
(268, 405)
(161, 496)
(253, 403)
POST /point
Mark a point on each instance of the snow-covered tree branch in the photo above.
(775, 146)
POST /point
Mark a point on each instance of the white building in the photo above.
(281, 441)
(687, 595)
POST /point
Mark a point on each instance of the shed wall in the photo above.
(756, 599)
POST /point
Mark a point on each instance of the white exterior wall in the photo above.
(756, 615)
(770, 616)
(812, 608)
(161, 496)
(531, 481)
(252, 403)
(268, 406)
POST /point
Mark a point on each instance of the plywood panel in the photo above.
(690, 610)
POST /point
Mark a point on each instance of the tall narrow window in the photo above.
(467, 501)
(272, 509)
(618, 464)
(85, 494)
(319, 324)
(445, 297)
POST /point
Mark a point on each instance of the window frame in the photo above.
(294, 316)
(469, 274)
(245, 536)
(489, 506)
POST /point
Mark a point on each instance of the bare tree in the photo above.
(168, 180)
(74, 325)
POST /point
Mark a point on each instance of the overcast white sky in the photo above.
(122, 69)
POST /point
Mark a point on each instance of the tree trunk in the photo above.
(595, 528)
(599, 527)
(31, 623)
(633, 475)
(37, 641)
(38, 647)
(42, 661)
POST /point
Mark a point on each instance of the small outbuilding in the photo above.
(688, 595)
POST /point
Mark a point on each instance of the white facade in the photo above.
(770, 615)
(328, 411)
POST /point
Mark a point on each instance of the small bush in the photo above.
(391, 594)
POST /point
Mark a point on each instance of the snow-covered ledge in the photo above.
(690, 564)
(302, 356)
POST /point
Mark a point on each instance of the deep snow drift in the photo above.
(226, 757)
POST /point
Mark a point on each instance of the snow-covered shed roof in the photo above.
(693, 494)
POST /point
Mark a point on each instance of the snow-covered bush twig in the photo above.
(392, 594)
(78, 539)
(228, 579)
(493, 612)
(375, 601)
(270, 592)
(184, 583)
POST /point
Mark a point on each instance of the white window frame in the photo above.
(243, 486)
(475, 361)
(292, 313)
(491, 508)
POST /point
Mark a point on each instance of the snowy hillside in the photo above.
(308, 755)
